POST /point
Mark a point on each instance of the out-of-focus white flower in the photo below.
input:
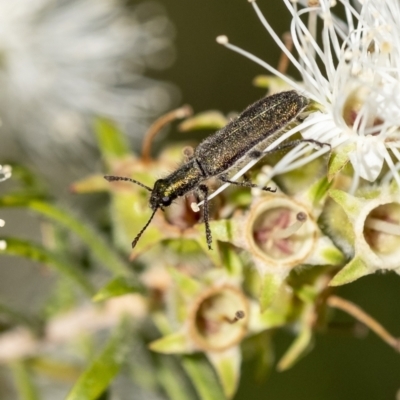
(351, 68)
(62, 63)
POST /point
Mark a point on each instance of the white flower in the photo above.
(352, 70)
(63, 63)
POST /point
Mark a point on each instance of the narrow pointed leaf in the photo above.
(202, 377)
(339, 160)
(222, 230)
(118, 287)
(350, 204)
(98, 246)
(29, 181)
(231, 261)
(269, 288)
(35, 252)
(171, 344)
(227, 367)
(24, 382)
(186, 285)
(212, 254)
(98, 376)
(318, 191)
(55, 369)
(354, 270)
(172, 380)
(325, 253)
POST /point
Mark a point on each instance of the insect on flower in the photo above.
(241, 140)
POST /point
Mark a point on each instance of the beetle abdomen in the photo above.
(261, 122)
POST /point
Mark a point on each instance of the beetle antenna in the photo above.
(112, 178)
(143, 229)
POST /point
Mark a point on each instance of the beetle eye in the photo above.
(166, 200)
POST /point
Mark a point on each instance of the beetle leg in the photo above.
(246, 183)
(204, 191)
(294, 143)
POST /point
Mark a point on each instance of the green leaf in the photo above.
(203, 377)
(231, 260)
(222, 230)
(54, 369)
(186, 285)
(355, 269)
(23, 381)
(98, 246)
(28, 180)
(117, 287)
(128, 220)
(35, 252)
(351, 205)
(104, 396)
(269, 288)
(111, 140)
(98, 376)
(318, 191)
(171, 379)
(325, 253)
(298, 349)
(338, 160)
(227, 366)
(176, 342)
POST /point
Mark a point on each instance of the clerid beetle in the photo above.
(216, 156)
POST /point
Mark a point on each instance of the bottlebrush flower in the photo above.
(62, 63)
(351, 70)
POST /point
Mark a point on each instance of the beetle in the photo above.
(242, 139)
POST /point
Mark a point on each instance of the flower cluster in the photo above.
(351, 70)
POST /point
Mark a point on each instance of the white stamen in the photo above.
(278, 41)
(268, 67)
(195, 207)
(360, 58)
(383, 226)
(222, 39)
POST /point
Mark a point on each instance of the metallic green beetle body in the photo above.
(244, 137)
